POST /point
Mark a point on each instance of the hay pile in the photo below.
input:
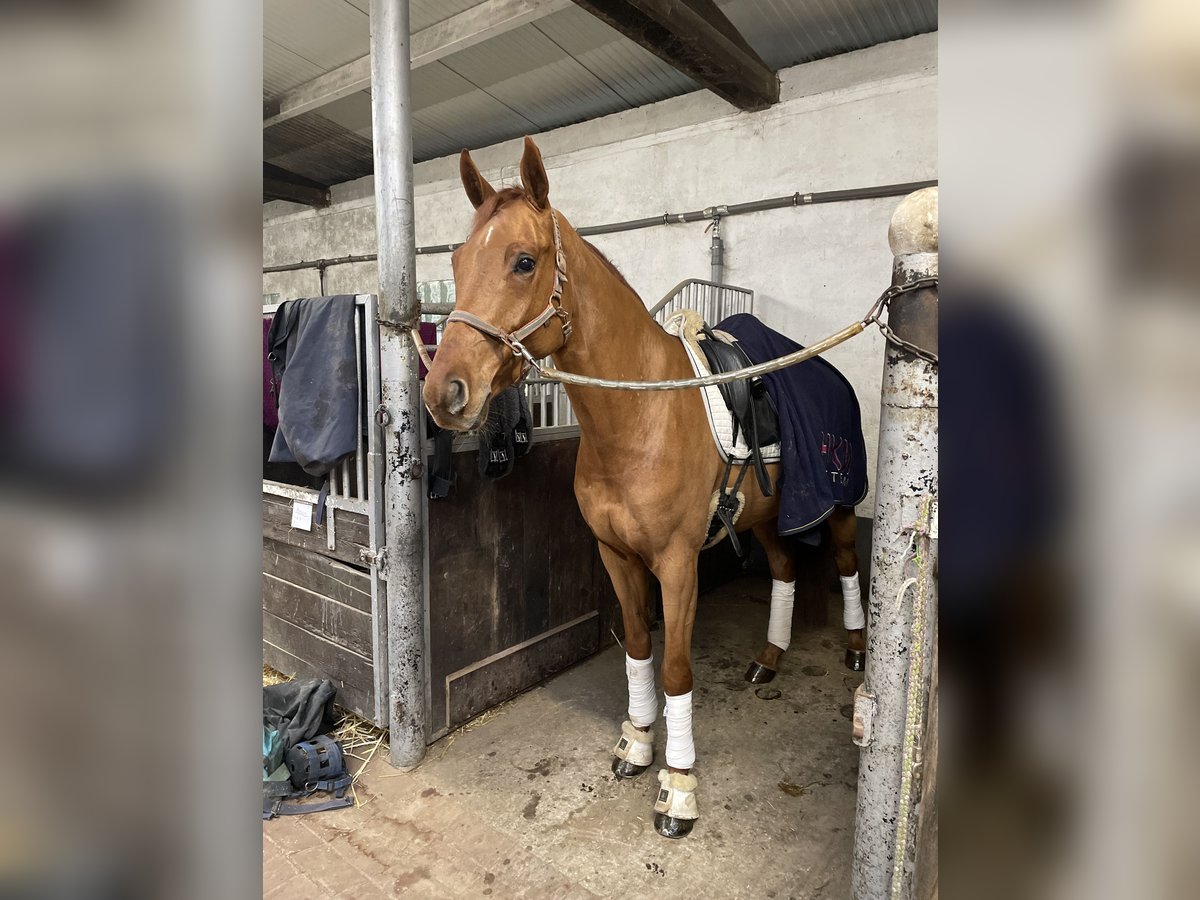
(273, 676)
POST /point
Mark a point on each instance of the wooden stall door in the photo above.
(517, 591)
(318, 602)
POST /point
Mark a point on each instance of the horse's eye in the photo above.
(525, 264)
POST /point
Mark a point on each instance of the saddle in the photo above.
(754, 414)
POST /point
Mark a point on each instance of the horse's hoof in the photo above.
(669, 826)
(856, 660)
(623, 768)
(759, 674)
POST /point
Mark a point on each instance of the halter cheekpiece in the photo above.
(515, 340)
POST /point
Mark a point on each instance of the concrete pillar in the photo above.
(403, 412)
(889, 709)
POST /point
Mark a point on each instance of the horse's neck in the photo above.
(613, 336)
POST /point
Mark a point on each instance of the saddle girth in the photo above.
(749, 403)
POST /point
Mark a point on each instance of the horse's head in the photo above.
(506, 287)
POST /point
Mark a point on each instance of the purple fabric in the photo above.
(429, 338)
(270, 398)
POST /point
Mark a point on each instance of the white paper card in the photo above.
(302, 515)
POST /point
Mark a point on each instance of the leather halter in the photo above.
(515, 340)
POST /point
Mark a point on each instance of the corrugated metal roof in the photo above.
(315, 147)
(787, 32)
(637, 76)
(352, 113)
(328, 33)
(516, 68)
(423, 13)
(284, 69)
(563, 68)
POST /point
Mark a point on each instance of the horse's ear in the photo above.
(475, 184)
(533, 175)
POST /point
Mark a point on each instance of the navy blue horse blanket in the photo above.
(823, 453)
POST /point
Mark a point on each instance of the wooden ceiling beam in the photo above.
(696, 38)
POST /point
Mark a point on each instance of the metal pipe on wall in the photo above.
(717, 252)
(402, 409)
(697, 215)
(890, 705)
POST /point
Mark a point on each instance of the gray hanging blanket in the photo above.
(312, 356)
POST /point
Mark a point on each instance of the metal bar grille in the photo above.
(713, 301)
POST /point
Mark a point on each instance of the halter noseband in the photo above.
(515, 340)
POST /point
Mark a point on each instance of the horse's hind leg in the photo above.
(634, 751)
(843, 527)
(783, 596)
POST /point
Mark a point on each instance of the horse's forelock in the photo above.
(494, 204)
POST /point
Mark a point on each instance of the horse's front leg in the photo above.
(634, 751)
(675, 807)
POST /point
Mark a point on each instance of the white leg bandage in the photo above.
(681, 752)
(783, 598)
(853, 616)
(643, 700)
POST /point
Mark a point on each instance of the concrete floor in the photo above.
(524, 804)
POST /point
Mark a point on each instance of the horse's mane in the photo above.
(505, 196)
(608, 263)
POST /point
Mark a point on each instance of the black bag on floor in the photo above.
(299, 711)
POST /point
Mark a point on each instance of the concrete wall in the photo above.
(856, 120)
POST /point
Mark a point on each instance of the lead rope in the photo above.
(768, 366)
(552, 373)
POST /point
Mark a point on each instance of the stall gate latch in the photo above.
(378, 559)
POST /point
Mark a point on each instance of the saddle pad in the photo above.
(686, 326)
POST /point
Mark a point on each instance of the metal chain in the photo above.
(885, 329)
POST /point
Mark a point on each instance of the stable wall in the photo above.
(856, 120)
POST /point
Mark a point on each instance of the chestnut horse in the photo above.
(528, 286)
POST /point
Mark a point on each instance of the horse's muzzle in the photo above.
(452, 403)
(447, 399)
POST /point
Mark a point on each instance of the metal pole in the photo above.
(402, 412)
(887, 713)
(717, 252)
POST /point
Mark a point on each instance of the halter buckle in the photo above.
(519, 349)
(566, 321)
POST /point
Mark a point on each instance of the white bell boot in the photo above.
(675, 809)
(634, 751)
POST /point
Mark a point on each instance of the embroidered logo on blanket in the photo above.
(838, 454)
